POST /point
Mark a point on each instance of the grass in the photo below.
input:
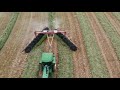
(110, 32)
(8, 29)
(97, 64)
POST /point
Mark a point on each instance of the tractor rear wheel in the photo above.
(40, 74)
(55, 72)
(54, 67)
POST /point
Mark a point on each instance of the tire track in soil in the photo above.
(108, 53)
(79, 56)
(4, 21)
(113, 21)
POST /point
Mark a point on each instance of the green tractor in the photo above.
(47, 64)
(48, 61)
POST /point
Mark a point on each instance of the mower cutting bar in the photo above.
(49, 32)
(40, 34)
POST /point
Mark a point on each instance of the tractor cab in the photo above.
(47, 64)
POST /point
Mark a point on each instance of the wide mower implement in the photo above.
(48, 60)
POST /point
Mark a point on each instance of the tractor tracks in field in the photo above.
(105, 45)
(80, 61)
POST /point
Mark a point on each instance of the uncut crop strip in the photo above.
(13, 45)
(110, 32)
(51, 16)
(106, 48)
(8, 29)
(4, 21)
(96, 61)
(31, 68)
(65, 66)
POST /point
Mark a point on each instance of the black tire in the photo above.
(54, 67)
